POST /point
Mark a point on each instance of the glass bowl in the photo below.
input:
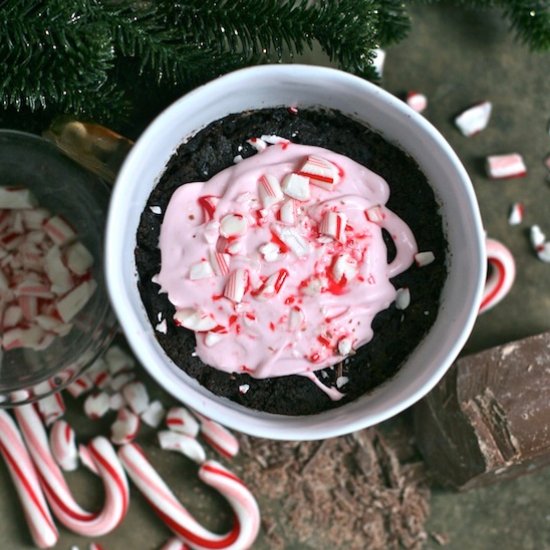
(65, 188)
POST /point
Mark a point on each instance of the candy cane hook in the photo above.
(58, 493)
(179, 520)
(501, 277)
(25, 478)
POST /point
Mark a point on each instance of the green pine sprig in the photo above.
(529, 19)
(531, 22)
(100, 58)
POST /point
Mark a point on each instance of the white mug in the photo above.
(302, 86)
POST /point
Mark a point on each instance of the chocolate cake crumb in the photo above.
(347, 492)
(396, 332)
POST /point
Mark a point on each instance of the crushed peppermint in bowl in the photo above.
(266, 264)
(55, 317)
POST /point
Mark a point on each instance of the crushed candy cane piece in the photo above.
(402, 298)
(272, 285)
(155, 209)
(257, 143)
(292, 238)
(201, 270)
(543, 252)
(208, 204)
(73, 302)
(270, 191)
(344, 268)
(99, 372)
(506, 166)
(117, 360)
(537, 237)
(320, 172)
(220, 263)
(425, 258)
(180, 420)
(344, 346)
(233, 225)
(274, 140)
(162, 327)
(375, 214)
(120, 380)
(81, 385)
(237, 285)
(16, 197)
(417, 101)
(333, 224)
(59, 230)
(296, 318)
(475, 119)
(79, 258)
(116, 401)
(212, 338)
(296, 186)
(270, 252)
(378, 61)
(154, 414)
(341, 381)
(184, 444)
(515, 216)
(125, 428)
(243, 388)
(96, 405)
(194, 319)
(288, 213)
(136, 396)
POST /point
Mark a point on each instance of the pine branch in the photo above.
(53, 47)
(142, 32)
(393, 21)
(344, 28)
(531, 21)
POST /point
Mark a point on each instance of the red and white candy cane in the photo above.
(218, 437)
(179, 520)
(501, 275)
(25, 478)
(58, 493)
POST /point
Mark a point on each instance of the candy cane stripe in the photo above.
(247, 517)
(58, 493)
(23, 473)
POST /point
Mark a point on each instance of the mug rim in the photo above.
(157, 363)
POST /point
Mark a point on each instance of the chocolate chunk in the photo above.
(489, 418)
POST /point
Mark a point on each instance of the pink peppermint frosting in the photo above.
(278, 262)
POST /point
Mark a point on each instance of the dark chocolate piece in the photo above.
(489, 418)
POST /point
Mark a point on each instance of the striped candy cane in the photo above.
(501, 277)
(25, 478)
(179, 520)
(58, 493)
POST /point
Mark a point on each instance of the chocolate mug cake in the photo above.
(290, 260)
